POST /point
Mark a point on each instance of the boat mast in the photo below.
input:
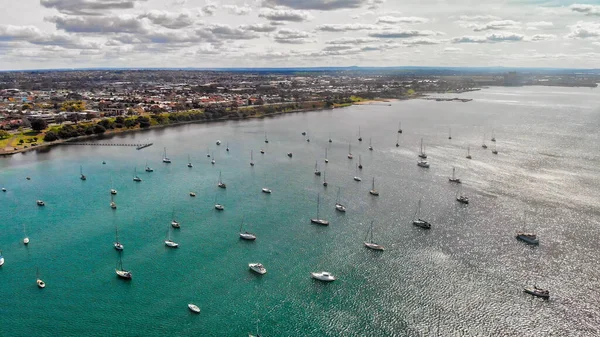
(318, 201)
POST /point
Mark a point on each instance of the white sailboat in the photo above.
(41, 284)
(218, 206)
(370, 243)
(1, 259)
(417, 221)
(359, 136)
(357, 177)
(189, 162)
(246, 235)
(422, 153)
(360, 162)
(318, 220)
(338, 204)
(221, 184)
(373, 191)
(213, 158)
(326, 160)
(194, 308)
(174, 223)
(118, 245)
(257, 334)
(397, 139)
(453, 179)
(251, 158)
(148, 168)
(493, 136)
(266, 189)
(168, 242)
(399, 127)
(324, 179)
(122, 273)
(113, 204)
(112, 190)
(370, 145)
(165, 158)
(423, 163)
(469, 152)
(26, 238)
(317, 172)
(266, 139)
(463, 199)
(349, 151)
(136, 178)
(227, 148)
(483, 144)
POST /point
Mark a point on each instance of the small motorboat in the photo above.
(28, 178)
(40, 203)
(340, 207)
(40, 284)
(247, 236)
(194, 308)
(423, 163)
(219, 207)
(3, 189)
(113, 191)
(257, 268)
(463, 199)
(175, 224)
(149, 169)
(422, 223)
(374, 246)
(218, 142)
(212, 161)
(538, 292)
(171, 243)
(289, 154)
(26, 241)
(266, 190)
(453, 179)
(103, 162)
(118, 245)
(357, 178)
(222, 185)
(530, 238)
(192, 194)
(262, 151)
(137, 179)
(322, 276)
(113, 205)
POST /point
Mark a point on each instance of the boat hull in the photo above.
(528, 240)
(422, 224)
(340, 208)
(374, 246)
(324, 277)
(194, 308)
(320, 222)
(247, 236)
(537, 293)
(257, 268)
(124, 274)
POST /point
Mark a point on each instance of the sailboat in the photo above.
(174, 223)
(483, 144)
(324, 179)
(359, 162)
(349, 151)
(117, 244)
(26, 238)
(218, 142)
(168, 242)
(417, 221)
(356, 177)
(227, 149)
(38, 280)
(338, 204)
(422, 153)
(468, 152)
(370, 145)
(221, 184)
(251, 158)
(265, 189)
(373, 191)
(262, 151)
(266, 139)
(189, 162)
(122, 273)
(400, 127)
(449, 133)
(463, 199)
(398, 140)
(454, 179)
(207, 153)
(318, 220)
(213, 158)
(113, 204)
(257, 334)
(494, 151)
(330, 138)
(246, 235)
(82, 176)
(148, 168)
(112, 190)
(317, 172)
(218, 206)
(1, 259)
(165, 158)
(493, 136)
(370, 244)
(359, 136)
(135, 176)
(326, 160)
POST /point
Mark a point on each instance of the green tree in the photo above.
(99, 129)
(4, 134)
(38, 124)
(50, 136)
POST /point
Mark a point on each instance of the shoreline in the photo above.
(110, 133)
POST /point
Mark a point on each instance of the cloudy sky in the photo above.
(41, 34)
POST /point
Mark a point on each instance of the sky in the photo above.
(46, 34)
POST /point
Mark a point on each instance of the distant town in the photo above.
(44, 107)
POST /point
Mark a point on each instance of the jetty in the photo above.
(138, 146)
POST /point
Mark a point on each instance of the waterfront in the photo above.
(462, 278)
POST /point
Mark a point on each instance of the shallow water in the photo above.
(464, 277)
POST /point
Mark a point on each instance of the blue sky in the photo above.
(266, 33)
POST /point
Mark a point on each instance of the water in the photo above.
(464, 277)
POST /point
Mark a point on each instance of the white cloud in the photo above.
(292, 36)
(403, 19)
(490, 38)
(478, 18)
(324, 5)
(284, 15)
(352, 40)
(584, 30)
(345, 27)
(238, 10)
(88, 7)
(539, 24)
(494, 25)
(590, 10)
(452, 49)
(542, 37)
(169, 19)
(402, 34)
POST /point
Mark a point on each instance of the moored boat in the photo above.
(257, 268)
(538, 292)
(530, 238)
(323, 276)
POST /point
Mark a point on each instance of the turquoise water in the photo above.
(462, 278)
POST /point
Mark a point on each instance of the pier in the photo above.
(137, 146)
